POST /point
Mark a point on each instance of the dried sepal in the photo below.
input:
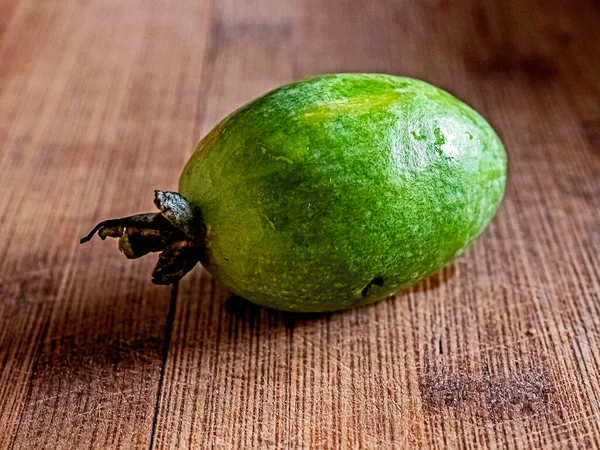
(175, 232)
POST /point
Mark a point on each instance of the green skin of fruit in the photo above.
(336, 191)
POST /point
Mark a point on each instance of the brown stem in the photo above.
(175, 232)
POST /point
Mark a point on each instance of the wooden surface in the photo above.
(102, 101)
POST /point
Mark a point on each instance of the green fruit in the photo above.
(332, 192)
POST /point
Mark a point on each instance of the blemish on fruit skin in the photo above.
(439, 137)
(284, 159)
(376, 281)
(444, 143)
(266, 152)
(418, 137)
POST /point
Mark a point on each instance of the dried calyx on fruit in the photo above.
(175, 232)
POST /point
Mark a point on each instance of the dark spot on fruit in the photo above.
(418, 137)
(377, 281)
(439, 137)
(440, 140)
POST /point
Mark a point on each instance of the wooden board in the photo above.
(102, 101)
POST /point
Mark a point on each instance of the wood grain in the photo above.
(101, 101)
